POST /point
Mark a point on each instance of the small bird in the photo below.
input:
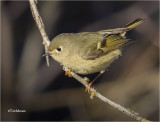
(90, 52)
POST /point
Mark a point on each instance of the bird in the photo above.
(90, 52)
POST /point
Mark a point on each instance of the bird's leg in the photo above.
(90, 84)
(68, 73)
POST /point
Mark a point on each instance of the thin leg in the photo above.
(90, 84)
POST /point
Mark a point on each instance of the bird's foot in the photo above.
(88, 88)
(86, 79)
(68, 73)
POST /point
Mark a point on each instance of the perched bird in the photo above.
(90, 52)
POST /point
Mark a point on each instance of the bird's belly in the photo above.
(82, 66)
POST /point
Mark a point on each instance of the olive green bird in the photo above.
(90, 52)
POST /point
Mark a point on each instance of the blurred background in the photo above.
(46, 93)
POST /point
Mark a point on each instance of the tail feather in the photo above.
(131, 25)
(134, 23)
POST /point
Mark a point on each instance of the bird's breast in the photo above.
(81, 66)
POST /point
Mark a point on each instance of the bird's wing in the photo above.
(109, 43)
(112, 39)
(113, 42)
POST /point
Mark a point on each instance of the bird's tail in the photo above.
(134, 23)
(131, 25)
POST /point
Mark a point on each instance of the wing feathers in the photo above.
(114, 42)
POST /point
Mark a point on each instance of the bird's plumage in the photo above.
(90, 52)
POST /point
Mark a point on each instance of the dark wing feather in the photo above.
(93, 54)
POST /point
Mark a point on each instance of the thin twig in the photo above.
(127, 111)
(46, 43)
(40, 25)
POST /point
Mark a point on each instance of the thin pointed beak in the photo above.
(46, 54)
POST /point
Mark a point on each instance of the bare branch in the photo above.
(127, 111)
(46, 43)
(41, 27)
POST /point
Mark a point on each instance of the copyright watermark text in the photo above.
(16, 110)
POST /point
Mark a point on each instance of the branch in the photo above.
(127, 111)
(41, 27)
(46, 43)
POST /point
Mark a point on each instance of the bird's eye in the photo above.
(59, 49)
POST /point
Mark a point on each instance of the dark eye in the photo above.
(59, 49)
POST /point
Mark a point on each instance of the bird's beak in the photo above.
(46, 54)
